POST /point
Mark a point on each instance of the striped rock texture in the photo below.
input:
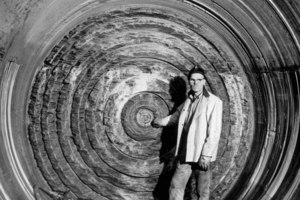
(82, 80)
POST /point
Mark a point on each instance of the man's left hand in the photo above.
(157, 123)
(204, 162)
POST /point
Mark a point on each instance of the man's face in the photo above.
(197, 82)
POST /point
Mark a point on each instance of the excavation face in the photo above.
(82, 81)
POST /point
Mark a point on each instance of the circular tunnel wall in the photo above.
(91, 79)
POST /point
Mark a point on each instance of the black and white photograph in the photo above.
(150, 99)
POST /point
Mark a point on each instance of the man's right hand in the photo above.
(204, 162)
(157, 123)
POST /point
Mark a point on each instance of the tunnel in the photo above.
(82, 80)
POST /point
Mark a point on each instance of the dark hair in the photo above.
(195, 70)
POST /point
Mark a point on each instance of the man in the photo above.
(199, 127)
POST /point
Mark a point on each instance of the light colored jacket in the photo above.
(205, 128)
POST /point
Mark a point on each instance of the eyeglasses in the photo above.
(197, 79)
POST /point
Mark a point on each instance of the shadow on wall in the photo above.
(177, 92)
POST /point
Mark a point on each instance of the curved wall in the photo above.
(81, 81)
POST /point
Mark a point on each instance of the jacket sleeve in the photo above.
(214, 124)
(173, 118)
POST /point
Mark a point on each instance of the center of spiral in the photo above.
(144, 117)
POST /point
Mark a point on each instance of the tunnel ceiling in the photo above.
(81, 82)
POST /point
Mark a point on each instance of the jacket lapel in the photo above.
(184, 111)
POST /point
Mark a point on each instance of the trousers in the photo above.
(181, 177)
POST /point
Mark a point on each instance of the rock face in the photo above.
(93, 100)
(82, 81)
